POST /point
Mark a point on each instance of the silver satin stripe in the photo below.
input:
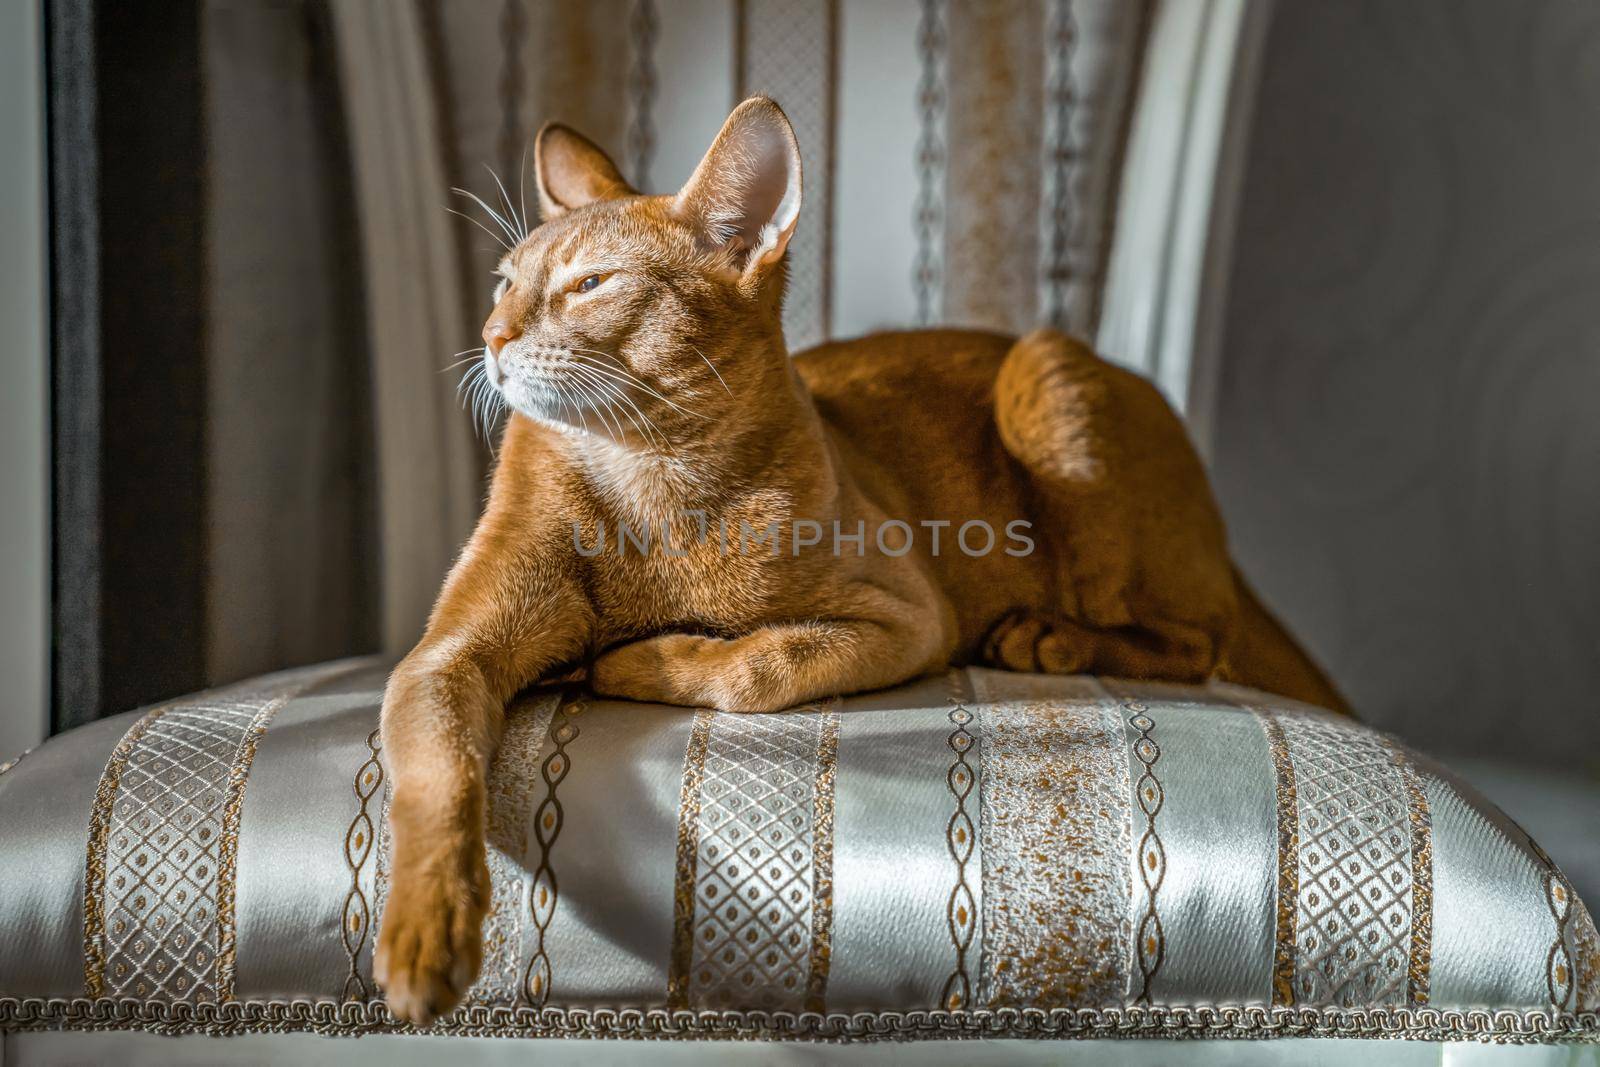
(299, 804)
(892, 875)
(1218, 829)
(1491, 928)
(756, 884)
(1055, 835)
(611, 931)
(44, 807)
(512, 796)
(167, 926)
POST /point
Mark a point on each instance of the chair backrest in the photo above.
(996, 165)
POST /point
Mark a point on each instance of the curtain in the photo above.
(429, 468)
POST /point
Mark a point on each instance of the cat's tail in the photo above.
(1264, 656)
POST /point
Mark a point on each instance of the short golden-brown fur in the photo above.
(705, 424)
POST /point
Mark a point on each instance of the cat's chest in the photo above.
(724, 568)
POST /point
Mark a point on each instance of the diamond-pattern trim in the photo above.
(163, 924)
(757, 881)
(161, 930)
(1353, 923)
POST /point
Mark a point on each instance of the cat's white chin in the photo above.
(558, 409)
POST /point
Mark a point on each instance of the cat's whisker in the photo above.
(587, 393)
(497, 238)
(620, 437)
(505, 198)
(475, 354)
(577, 408)
(468, 375)
(615, 379)
(622, 433)
(623, 374)
(714, 369)
(522, 183)
(490, 412)
(481, 399)
(610, 389)
(499, 219)
(565, 397)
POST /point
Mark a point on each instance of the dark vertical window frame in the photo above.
(128, 382)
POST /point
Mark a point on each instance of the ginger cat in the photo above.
(637, 341)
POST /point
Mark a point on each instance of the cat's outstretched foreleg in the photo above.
(443, 712)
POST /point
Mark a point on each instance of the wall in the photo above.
(1407, 438)
(24, 399)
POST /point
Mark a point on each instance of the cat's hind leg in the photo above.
(1143, 584)
(770, 668)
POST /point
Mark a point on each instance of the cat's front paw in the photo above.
(638, 671)
(431, 941)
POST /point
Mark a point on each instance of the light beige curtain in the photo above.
(430, 470)
(435, 93)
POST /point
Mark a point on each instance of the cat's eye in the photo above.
(588, 284)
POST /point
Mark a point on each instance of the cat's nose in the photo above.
(498, 333)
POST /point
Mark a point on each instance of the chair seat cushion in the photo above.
(983, 853)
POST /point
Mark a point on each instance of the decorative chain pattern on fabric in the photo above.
(359, 843)
(961, 838)
(511, 778)
(539, 978)
(1150, 940)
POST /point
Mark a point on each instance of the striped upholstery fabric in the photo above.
(982, 853)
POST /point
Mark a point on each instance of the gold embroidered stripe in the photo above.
(1586, 946)
(1420, 963)
(1283, 959)
(683, 889)
(754, 889)
(94, 880)
(822, 863)
(228, 847)
(1056, 844)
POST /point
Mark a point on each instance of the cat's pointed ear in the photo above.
(745, 194)
(572, 171)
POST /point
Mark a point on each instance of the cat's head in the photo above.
(632, 316)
